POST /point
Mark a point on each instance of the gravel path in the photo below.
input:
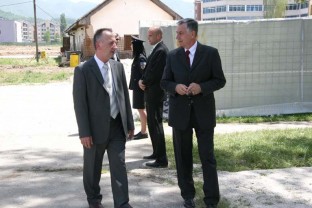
(40, 161)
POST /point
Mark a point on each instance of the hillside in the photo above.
(47, 9)
(11, 16)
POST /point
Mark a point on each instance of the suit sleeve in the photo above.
(217, 80)
(167, 81)
(130, 122)
(80, 103)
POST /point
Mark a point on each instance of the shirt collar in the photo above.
(154, 46)
(192, 49)
(99, 62)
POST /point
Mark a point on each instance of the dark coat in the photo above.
(136, 72)
(91, 100)
(206, 71)
(153, 72)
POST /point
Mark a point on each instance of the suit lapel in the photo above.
(114, 73)
(196, 56)
(95, 69)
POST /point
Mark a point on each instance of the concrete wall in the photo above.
(267, 64)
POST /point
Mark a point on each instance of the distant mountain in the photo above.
(47, 9)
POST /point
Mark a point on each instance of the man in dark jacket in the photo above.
(154, 97)
(192, 73)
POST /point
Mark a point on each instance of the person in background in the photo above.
(116, 54)
(104, 118)
(192, 73)
(137, 69)
(154, 97)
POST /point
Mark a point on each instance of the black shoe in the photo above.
(153, 157)
(157, 164)
(96, 205)
(189, 203)
(211, 206)
(126, 206)
(140, 136)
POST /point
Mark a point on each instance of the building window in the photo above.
(208, 10)
(205, 1)
(291, 7)
(236, 8)
(221, 8)
(254, 8)
(304, 5)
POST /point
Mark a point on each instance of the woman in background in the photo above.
(137, 69)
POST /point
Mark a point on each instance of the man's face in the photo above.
(107, 45)
(185, 37)
(152, 37)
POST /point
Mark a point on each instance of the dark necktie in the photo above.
(187, 53)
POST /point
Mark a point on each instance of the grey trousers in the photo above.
(92, 167)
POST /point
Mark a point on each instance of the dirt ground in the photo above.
(6, 50)
(27, 52)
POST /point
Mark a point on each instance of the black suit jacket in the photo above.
(206, 71)
(153, 72)
(91, 100)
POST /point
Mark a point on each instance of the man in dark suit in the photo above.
(104, 119)
(154, 97)
(192, 73)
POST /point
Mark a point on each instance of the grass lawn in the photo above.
(265, 149)
(27, 71)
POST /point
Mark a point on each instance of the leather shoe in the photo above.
(149, 157)
(189, 203)
(157, 164)
(211, 206)
(140, 135)
(126, 206)
(96, 205)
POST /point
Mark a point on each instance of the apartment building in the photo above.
(23, 31)
(27, 31)
(45, 26)
(243, 9)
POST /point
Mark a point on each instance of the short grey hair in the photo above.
(191, 24)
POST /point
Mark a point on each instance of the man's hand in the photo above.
(193, 89)
(181, 89)
(130, 135)
(86, 142)
(141, 85)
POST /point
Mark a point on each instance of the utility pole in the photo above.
(36, 37)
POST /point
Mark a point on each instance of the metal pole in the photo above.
(36, 38)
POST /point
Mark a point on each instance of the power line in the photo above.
(15, 4)
(45, 11)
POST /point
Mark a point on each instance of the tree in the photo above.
(299, 2)
(47, 37)
(63, 24)
(274, 8)
(57, 38)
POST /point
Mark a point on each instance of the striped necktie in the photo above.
(108, 85)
